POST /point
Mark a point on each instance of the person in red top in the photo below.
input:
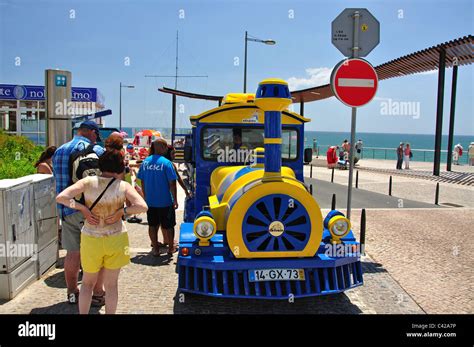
(331, 156)
(406, 156)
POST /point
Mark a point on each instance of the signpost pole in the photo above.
(355, 49)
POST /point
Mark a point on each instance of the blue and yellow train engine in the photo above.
(252, 229)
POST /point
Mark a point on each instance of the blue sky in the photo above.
(96, 42)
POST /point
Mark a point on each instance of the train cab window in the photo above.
(234, 144)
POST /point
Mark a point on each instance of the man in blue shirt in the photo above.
(158, 179)
(72, 220)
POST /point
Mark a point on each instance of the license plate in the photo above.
(276, 275)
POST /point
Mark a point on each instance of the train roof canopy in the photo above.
(243, 113)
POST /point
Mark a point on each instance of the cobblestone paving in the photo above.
(428, 252)
(149, 285)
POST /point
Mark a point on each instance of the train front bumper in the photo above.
(213, 271)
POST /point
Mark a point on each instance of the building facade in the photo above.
(23, 109)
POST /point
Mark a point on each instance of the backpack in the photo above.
(83, 163)
(411, 154)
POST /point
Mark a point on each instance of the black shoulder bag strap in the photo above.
(102, 194)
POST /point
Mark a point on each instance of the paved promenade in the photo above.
(374, 176)
(428, 251)
(419, 260)
(149, 286)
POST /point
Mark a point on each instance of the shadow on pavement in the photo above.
(150, 260)
(57, 280)
(370, 267)
(62, 308)
(327, 304)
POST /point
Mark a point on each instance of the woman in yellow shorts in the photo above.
(104, 240)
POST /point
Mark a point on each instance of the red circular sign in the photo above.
(354, 82)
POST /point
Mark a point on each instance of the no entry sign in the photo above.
(354, 82)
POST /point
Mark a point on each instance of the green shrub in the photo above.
(18, 155)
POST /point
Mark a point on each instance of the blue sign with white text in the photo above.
(22, 92)
(60, 80)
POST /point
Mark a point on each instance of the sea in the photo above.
(375, 145)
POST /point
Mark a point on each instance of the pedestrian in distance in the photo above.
(457, 153)
(471, 154)
(407, 154)
(358, 148)
(400, 156)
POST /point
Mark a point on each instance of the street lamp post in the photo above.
(253, 39)
(120, 103)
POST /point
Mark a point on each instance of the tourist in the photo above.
(44, 165)
(115, 141)
(457, 153)
(158, 178)
(104, 241)
(400, 156)
(315, 147)
(346, 146)
(358, 147)
(406, 156)
(471, 154)
(72, 221)
(331, 156)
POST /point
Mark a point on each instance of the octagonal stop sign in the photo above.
(354, 82)
(342, 32)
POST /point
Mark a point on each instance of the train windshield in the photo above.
(235, 144)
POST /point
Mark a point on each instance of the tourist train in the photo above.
(251, 228)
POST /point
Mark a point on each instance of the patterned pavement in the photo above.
(149, 286)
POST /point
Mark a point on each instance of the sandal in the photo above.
(134, 219)
(98, 300)
(160, 245)
(171, 251)
(73, 298)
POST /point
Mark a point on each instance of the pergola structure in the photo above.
(453, 54)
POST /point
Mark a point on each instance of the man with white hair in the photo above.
(471, 154)
(158, 178)
(457, 152)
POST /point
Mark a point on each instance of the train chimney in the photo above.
(273, 96)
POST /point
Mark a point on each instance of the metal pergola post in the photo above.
(451, 117)
(302, 108)
(439, 112)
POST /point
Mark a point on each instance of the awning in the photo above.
(459, 51)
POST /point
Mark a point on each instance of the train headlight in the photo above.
(339, 226)
(204, 229)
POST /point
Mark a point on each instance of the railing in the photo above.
(424, 155)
